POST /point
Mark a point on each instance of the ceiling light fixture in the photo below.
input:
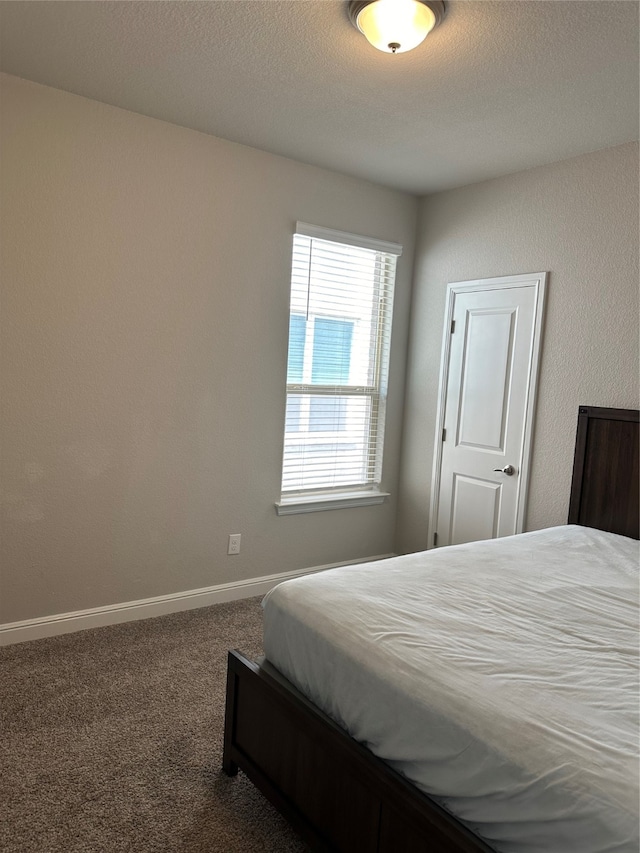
(396, 26)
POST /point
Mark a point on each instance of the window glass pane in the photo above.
(297, 332)
(330, 458)
(294, 410)
(327, 414)
(331, 351)
(346, 283)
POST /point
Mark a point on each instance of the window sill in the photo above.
(320, 502)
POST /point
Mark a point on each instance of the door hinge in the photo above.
(444, 435)
(453, 326)
(435, 539)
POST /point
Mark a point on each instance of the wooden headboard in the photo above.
(604, 489)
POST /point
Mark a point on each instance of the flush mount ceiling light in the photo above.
(396, 26)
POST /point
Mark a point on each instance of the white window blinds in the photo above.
(339, 336)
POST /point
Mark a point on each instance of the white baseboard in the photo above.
(129, 611)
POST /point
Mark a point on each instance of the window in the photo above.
(339, 335)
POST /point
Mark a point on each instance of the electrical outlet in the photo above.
(234, 543)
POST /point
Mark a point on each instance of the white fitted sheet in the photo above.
(500, 677)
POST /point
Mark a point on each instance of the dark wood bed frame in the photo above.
(335, 792)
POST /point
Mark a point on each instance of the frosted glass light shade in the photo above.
(396, 26)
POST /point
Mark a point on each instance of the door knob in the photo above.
(508, 470)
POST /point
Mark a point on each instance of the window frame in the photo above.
(370, 493)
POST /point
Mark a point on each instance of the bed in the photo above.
(507, 779)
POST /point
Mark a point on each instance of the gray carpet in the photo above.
(111, 740)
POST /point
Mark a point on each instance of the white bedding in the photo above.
(500, 677)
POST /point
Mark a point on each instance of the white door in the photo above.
(490, 358)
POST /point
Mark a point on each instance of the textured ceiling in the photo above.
(497, 88)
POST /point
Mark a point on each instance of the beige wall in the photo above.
(145, 275)
(578, 219)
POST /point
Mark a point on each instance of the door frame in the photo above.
(538, 280)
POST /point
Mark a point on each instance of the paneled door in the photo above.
(490, 356)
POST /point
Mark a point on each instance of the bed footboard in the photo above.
(333, 791)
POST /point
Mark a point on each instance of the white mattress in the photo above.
(500, 677)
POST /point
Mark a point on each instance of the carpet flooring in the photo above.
(111, 740)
